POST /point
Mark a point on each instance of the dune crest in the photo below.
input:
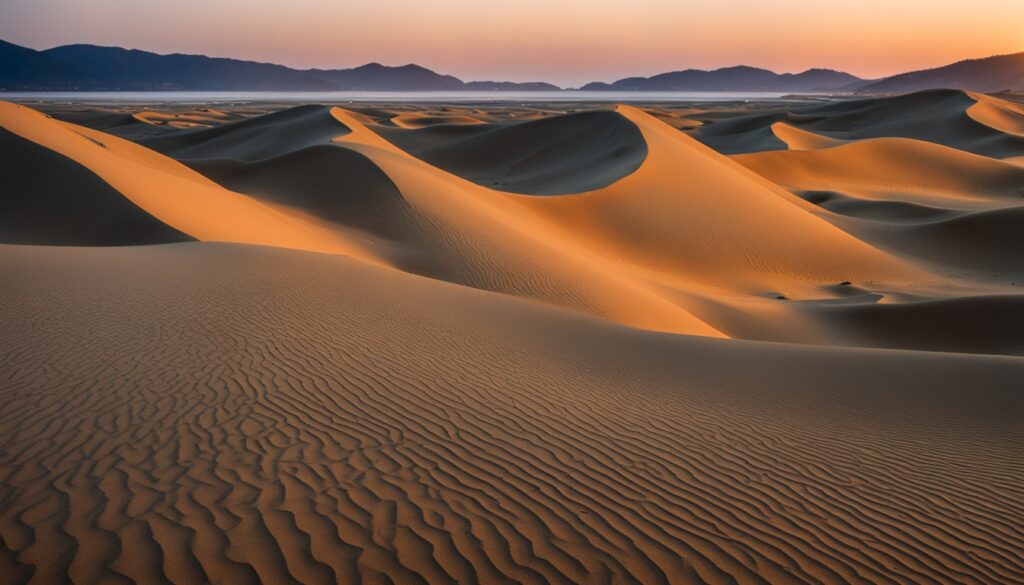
(893, 168)
(798, 139)
(420, 120)
(998, 114)
(694, 214)
(173, 193)
(482, 238)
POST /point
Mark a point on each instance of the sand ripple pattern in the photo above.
(206, 413)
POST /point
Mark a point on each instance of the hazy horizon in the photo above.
(581, 42)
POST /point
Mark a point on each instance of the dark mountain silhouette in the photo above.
(510, 86)
(740, 78)
(991, 74)
(95, 68)
(25, 68)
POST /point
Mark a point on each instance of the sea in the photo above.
(206, 97)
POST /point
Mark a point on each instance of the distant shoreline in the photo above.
(403, 96)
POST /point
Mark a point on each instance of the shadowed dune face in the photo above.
(549, 156)
(326, 182)
(387, 360)
(254, 138)
(49, 199)
(171, 192)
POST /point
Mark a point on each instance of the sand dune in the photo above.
(177, 196)
(482, 343)
(478, 237)
(983, 244)
(797, 139)
(326, 182)
(198, 118)
(557, 155)
(893, 168)
(692, 212)
(49, 199)
(420, 120)
(972, 122)
(998, 114)
(254, 138)
(309, 418)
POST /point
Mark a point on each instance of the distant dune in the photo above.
(513, 343)
(966, 121)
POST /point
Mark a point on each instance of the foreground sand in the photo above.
(443, 345)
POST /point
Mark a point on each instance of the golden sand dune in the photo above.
(797, 139)
(171, 192)
(894, 168)
(209, 413)
(997, 113)
(482, 238)
(419, 120)
(199, 118)
(692, 212)
(407, 350)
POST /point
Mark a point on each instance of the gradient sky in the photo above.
(563, 41)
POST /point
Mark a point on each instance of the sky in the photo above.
(567, 42)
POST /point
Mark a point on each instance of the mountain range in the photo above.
(740, 78)
(82, 67)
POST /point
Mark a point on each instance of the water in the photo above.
(206, 97)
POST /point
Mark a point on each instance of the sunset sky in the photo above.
(563, 41)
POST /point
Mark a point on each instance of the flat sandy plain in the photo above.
(776, 342)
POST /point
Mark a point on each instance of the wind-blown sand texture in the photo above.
(513, 344)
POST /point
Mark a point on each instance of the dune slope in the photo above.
(49, 199)
(893, 168)
(221, 413)
(251, 139)
(171, 192)
(972, 122)
(549, 156)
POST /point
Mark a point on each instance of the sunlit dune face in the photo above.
(567, 42)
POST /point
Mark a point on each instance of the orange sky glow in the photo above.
(567, 42)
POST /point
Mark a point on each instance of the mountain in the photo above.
(511, 86)
(377, 77)
(991, 74)
(740, 78)
(94, 68)
(91, 67)
(113, 68)
(23, 67)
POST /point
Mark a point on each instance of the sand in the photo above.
(521, 343)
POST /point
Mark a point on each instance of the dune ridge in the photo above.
(171, 192)
(709, 255)
(893, 168)
(976, 123)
